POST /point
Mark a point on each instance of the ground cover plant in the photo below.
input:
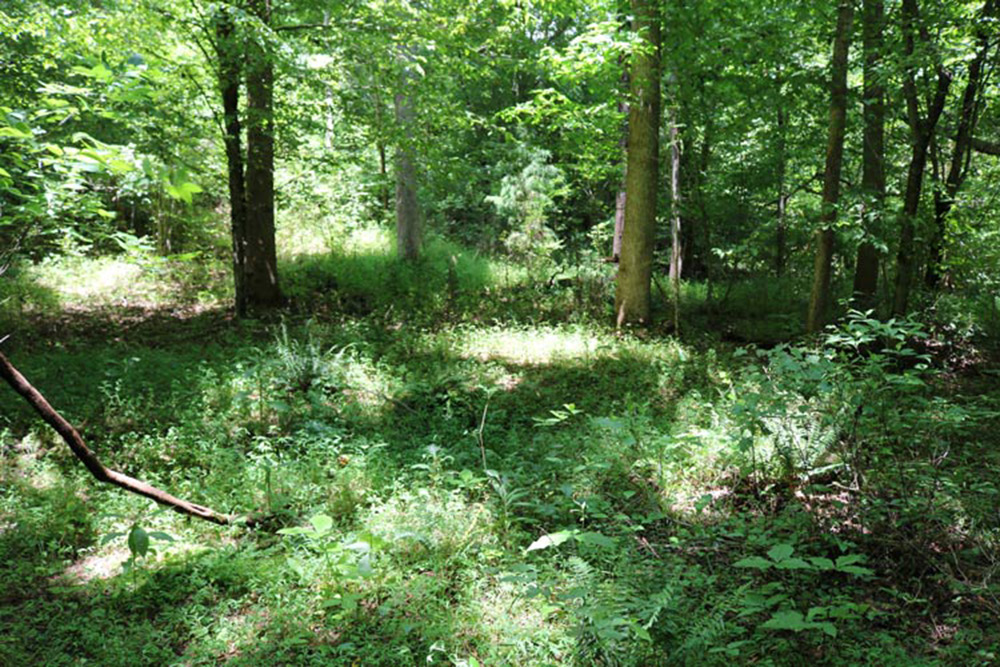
(567, 332)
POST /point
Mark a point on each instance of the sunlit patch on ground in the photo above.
(531, 346)
(103, 565)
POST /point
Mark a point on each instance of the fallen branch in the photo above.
(89, 459)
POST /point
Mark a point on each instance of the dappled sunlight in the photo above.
(96, 282)
(102, 565)
(535, 346)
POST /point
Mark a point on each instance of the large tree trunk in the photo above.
(261, 263)
(873, 174)
(632, 303)
(229, 84)
(408, 217)
(820, 300)
(960, 151)
(921, 132)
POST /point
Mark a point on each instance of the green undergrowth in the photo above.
(439, 478)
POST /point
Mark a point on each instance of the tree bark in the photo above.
(676, 247)
(921, 132)
(960, 152)
(72, 438)
(820, 300)
(873, 171)
(632, 294)
(616, 240)
(408, 215)
(261, 262)
(229, 84)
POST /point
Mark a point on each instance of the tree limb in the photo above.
(72, 438)
(988, 147)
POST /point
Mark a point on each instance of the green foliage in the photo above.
(523, 204)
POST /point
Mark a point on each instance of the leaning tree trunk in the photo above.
(79, 448)
(921, 132)
(229, 84)
(873, 172)
(961, 150)
(632, 298)
(820, 300)
(261, 266)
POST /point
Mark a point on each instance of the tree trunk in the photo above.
(820, 300)
(229, 84)
(79, 448)
(261, 265)
(408, 222)
(781, 233)
(921, 132)
(616, 241)
(960, 152)
(676, 248)
(873, 172)
(407, 206)
(632, 302)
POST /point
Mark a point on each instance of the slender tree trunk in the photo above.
(229, 84)
(676, 242)
(616, 240)
(632, 298)
(704, 223)
(408, 215)
(261, 265)
(781, 233)
(873, 172)
(921, 132)
(820, 300)
(407, 206)
(676, 248)
(383, 188)
(960, 152)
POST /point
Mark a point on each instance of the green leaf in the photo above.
(822, 563)
(780, 552)
(550, 540)
(849, 560)
(138, 541)
(183, 191)
(160, 535)
(322, 523)
(756, 562)
(786, 620)
(15, 132)
(793, 564)
(596, 539)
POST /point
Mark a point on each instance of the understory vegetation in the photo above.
(464, 480)
(510, 332)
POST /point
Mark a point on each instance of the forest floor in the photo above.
(477, 470)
